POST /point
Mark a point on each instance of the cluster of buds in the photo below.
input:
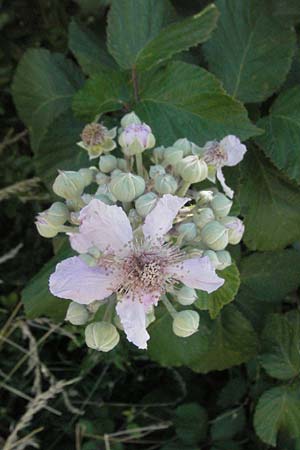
(202, 229)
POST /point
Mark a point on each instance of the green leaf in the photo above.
(288, 11)
(278, 409)
(217, 300)
(269, 203)
(89, 50)
(178, 37)
(280, 353)
(228, 424)
(233, 392)
(42, 89)
(281, 140)
(103, 93)
(36, 297)
(271, 276)
(191, 423)
(131, 25)
(227, 341)
(186, 100)
(58, 149)
(251, 52)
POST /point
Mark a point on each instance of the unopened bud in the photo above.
(221, 205)
(158, 154)
(185, 145)
(204, 197)
(215, 235)
(101, 336)
(130, 119)
(57, 214)
(203, 216)
(122, 164)
(192, 169)
(235, 228)
(165, 184)
(224, 258)
(188, 231)
(172, 155)
(156, 170)
(44, 228)
(102, 178)
(186, 296)
(77, 314)
(68, 184)
(88, 175)
(145, 203)
(186, 323)
(126, 187)
(213, 257)
(107, 163)
(136, 138)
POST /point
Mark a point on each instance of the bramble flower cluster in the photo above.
(144, 232)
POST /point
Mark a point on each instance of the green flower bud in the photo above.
(192, 169)
(107, 163)
(185, 145)
(156, 170)
(130, 119)
(145, 203)
(186, 323)
(172, 156)
(235, 229)
(101, 336)
(213, 257)
(186, 296)
(204, 197)
(88, 175)
(165, 184)
(126, 187)
(224, 258)
(44, 228)
(215, 235)
(68, 184)
(203, 216)
(188, 231)
(116, 172)
(221, 205)
(122, 164)
(136, 138)
(102, 179)
(57, 214)
(158, 154)
(97, 139)
(77, 314)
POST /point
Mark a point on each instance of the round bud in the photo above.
(116, 172)
(68, 184)
(56, 215)
(126, 187)
(188, 231)
(156, 170)
(224, 258)
(186, 323)
(122, 164)
(186, 296)
(130, 119)
(221, 205)
(185, 145)
(203, 216)
(235, 229)
(77, 314)
(165, 184)
(145, 203)
(88, 175)
(213, 257)
(107, 163)
(215, 235)
(101, 178)
(135, 138)
(101, 336)
(172, 155)
(158, 154)
(192, 169)
(44, 228)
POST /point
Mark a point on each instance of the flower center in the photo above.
(93, 134)
(215, 155)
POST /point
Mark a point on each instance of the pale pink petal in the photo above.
(160, 220)
(132, 314)
(74, 280)
(234, 149)
(228, 191)
(103, 226)
(197, 273)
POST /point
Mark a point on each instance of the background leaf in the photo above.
(269, 204)
(246, 47)
(278, 409)
(191, 423)
(225, 294)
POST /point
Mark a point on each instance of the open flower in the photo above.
(228, 152)
(139, 267)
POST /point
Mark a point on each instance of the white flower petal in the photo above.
(75, 280)
(234, 149)
(132, 314)
(228, 191)
(197, 273)
(103, 226)
(160, 220)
